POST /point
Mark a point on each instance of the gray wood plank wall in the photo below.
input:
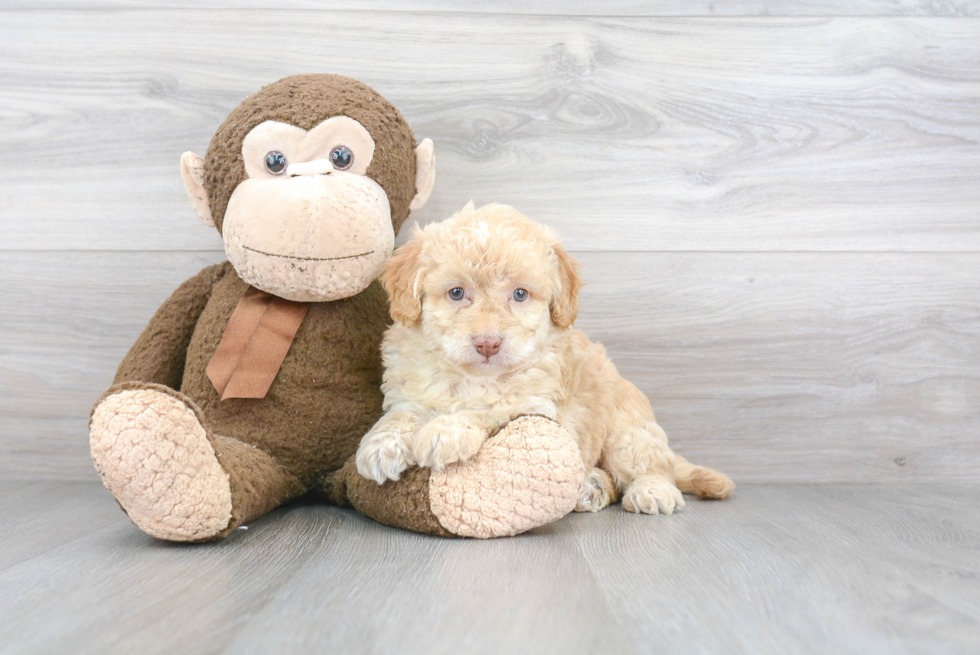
(779, 215)
(559, 7)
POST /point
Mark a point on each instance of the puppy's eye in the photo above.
(342, 158)
(520, 295)
(457, 293)
(276, 162)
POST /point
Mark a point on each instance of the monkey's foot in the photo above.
(528, 474)
(156, 458)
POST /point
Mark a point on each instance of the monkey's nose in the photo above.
(315, 167)
(487, 345)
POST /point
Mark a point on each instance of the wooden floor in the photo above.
(778, 569)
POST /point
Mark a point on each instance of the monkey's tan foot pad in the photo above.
(155, 457)
(528, 474)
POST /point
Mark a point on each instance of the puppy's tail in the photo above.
(700, 480)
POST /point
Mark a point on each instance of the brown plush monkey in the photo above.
(255, 381)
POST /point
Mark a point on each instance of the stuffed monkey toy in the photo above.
(255, 381)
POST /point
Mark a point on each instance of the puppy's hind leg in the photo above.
(643, 466)
(598, 492)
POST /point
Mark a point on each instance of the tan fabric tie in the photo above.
(256, 340)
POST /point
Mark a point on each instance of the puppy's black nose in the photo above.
(487, 345)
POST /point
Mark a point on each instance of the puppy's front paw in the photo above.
(598, 491)
(447, 439)
(383, 455)
(652, 495)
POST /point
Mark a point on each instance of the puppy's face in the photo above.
(487, 316)
(484, 287)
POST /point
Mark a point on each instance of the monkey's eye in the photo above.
(520, 295)
(276, 162)
(342, 158)
(457, 293)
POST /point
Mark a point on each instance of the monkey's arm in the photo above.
(159, 353)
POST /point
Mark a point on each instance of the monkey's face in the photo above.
(308, 224)
(307, 181)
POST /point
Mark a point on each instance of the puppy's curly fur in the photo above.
(484, 303)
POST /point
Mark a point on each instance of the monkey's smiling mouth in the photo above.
(308, 259)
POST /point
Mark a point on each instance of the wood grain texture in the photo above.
(776, 569)
(560, 7)
(779, 216)
(817, 569)
(775, 367)
(700, 134)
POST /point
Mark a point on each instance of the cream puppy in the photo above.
(483, 305)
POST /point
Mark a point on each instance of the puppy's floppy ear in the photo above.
(564, 302)
(399, 278)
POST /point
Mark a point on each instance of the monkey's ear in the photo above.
(425, 173)
(400, 280)
(564, 304)
(192, 172)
